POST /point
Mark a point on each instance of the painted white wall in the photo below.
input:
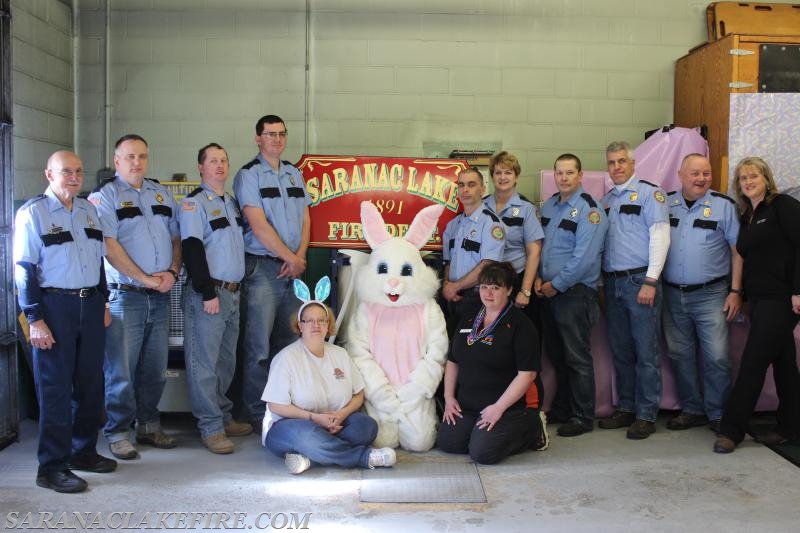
(41, 32)
(411, 78)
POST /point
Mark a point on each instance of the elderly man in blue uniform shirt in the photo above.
(702, 294)
(635, 250)
(143, 253)
(277, 228)
(58, 256)
(470, 241)
(213, 252)
(575, 229)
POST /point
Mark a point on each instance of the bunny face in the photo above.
(396, 276)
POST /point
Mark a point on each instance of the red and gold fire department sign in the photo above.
(398, 186)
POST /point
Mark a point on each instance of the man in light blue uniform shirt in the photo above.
(635, 250)
(277, 228)
(143, 253)
(703, 287)
(470, 241)
(58, 257)
(213, 252)
(575, 229)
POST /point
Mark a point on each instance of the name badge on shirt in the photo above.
(467, 330)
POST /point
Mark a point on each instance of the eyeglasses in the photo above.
(275, 134)
(67, 172)
(320, 322)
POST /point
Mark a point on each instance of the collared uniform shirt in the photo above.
(700, 238)
(66, 246)
(468, 240)
(522, 228)
(631, 211)
(282, 195)
(216, 222)
(574, 233)
(143, 221)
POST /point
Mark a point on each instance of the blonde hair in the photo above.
(759, 164)
(331, 319)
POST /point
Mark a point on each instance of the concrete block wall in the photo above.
(43, 94)
(410, 78)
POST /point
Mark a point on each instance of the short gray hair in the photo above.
(616, 146)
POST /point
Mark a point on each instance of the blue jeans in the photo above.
(698, 316)
(136, 361)
(268, 304)
(209, 346)
(570, 317)
(633, 338)
(349, 448)
(69, 379)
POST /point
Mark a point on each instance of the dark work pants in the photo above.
(515, 432)
(770, 342)
(69, 379)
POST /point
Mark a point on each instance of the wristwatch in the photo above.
(525, 292)
(174, 274)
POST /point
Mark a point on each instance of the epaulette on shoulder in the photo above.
(670, 193)
(649, 183)
(589, 200)
(485, 197)
(103, 183)
(722, 195)
(33, 201)
(195, 192)
(554, 194)
(287, 163)
(489, 212)
(250, 165)
(524, 199)
(153, 180)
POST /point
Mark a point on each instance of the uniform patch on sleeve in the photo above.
(594, 217)
(498, 233)
(659, 196)
(189, 205)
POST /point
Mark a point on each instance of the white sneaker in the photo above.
(382, 457)
(296, 463)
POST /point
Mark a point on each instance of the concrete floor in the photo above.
(597, 482)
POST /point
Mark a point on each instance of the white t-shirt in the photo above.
(317, 384)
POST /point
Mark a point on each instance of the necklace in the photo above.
(476, 335)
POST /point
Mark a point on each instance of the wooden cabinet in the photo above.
(707, 76)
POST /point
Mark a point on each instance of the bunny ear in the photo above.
(301, 291)
(423, 225)
(323, 289)
(372, 225)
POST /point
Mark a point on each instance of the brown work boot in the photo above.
(156, 439)
(238, 429)
(641, 429)
(219, 443)
(618, 419)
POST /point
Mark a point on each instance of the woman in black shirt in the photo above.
(769, 242)
(494, 360)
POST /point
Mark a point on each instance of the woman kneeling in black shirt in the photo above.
(494, 359)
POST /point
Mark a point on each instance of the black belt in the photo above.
(86, 292)
(690, 288)
(134, 288)
(267, 257)
(229, 285)
(621, 273)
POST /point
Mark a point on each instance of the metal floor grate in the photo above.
(423, 482)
